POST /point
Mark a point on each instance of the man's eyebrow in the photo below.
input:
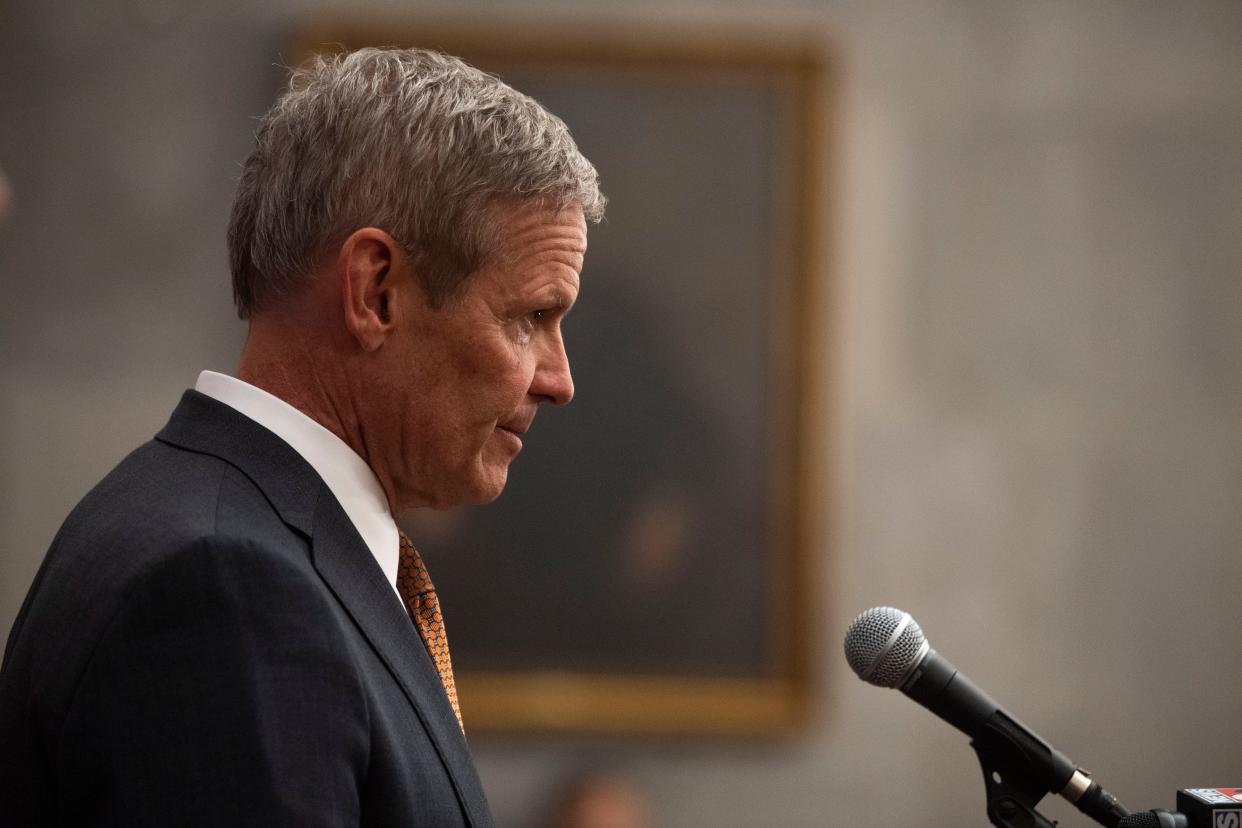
(556, 298)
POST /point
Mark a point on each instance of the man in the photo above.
(229, 629)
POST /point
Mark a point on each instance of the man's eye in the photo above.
(528, 323)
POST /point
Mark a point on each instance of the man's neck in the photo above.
(309, 377)
(306, 357)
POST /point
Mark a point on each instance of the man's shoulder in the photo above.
(211, 473)
(155, 486)
(161, 507)
(160, 498)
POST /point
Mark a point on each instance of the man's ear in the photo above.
(366, 268)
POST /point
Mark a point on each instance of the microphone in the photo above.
(1158, 818)
(1196, 808)
(886, 647)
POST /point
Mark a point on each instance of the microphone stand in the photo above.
(1012, 788)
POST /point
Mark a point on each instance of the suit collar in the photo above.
(208, 426)
(304, 502)
(353, 483)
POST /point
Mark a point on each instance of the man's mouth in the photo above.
(517, 426)
(511, 435)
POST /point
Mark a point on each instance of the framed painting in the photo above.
(648, 567)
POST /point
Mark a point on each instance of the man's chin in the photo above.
(489, 485)
(481, 486)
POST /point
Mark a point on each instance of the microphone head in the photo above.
(1159, 818)
(1141, 819)
(883, 646)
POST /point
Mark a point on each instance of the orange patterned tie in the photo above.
(421, 603)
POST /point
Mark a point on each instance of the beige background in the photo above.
(1036, 338)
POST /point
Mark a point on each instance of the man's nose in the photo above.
(553, 381)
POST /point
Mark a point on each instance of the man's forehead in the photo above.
(534, 228)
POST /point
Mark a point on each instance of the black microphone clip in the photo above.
(1015, 779)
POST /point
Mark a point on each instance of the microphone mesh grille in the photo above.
(869, 653)
(1142, 819)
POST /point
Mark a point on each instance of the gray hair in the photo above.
(416, 143)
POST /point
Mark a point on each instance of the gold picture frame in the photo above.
(711, 147)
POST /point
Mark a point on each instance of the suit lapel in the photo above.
(304, 502)
(351, 572)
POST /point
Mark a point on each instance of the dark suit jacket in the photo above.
(210, 642)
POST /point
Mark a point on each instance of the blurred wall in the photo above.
(1035, 362)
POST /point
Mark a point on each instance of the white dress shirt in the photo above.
(346, 474)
